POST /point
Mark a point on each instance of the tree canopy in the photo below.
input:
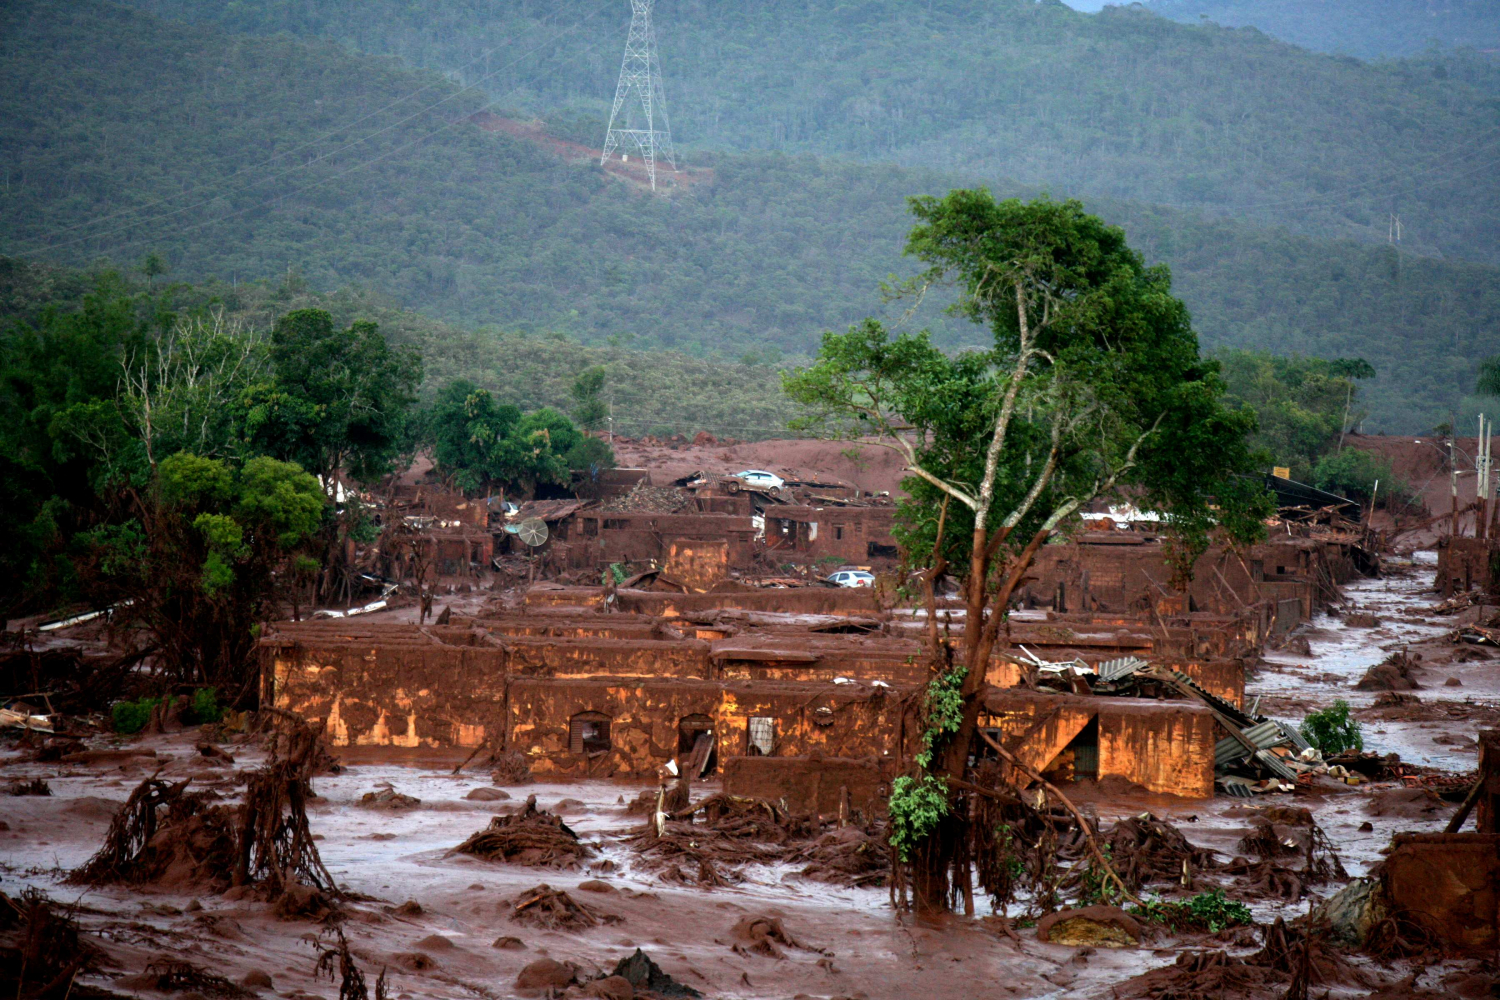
(1091, 387)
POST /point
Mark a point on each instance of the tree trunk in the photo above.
(932, 868)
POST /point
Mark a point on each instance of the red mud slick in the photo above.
(553, 893)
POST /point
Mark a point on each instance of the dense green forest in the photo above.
(648, 392)
(1369, 29)
(241, 158)
(1123, 103)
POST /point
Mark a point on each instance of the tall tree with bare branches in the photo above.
(1093, 388)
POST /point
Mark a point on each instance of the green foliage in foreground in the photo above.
(488, 231)
(130, 717)
(917, 805)
(1333, 730)
(1208, 911)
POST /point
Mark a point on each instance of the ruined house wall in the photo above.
(1165, 747)
(854, 535)
(644, 719)
(601, 538)
(797, 600)
(1465, 564)
(812, 784)
(592, 657)
(697, 564)
(390, 694)
(1130, 574)
(1450, 883)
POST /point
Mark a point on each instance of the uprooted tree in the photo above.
(1093, 388)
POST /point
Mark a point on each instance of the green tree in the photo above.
(336, 400)
(1303, 405)
(483, 444)
(1092, 386)
(199, 557)
(470, 432)
(589, 409)
(153, 267)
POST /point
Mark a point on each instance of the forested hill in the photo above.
(248, 157)
(1369, 29)
(1122, 103)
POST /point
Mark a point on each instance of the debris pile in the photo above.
(711, 842)
(165, 833)
(532, 837)
(1145, 849)
(645, 975)
(1394, 673)
(41, 950)
(553, 909)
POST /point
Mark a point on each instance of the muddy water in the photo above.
(401, 855)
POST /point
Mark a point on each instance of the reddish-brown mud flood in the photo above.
(441, 923)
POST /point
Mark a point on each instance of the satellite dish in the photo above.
(533, 531)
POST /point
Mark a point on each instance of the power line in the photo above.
(640, 84)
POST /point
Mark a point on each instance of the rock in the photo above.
(596, 885)
(1367, 827)
(612, 988)
(1453, 682)
(410, 908)
(301, 902)
(1351, 912)
(414, 961)
(1361, 619)
(435, 942)
(487, 794)
(386, 797)
(258, 979)
(568, 805)
(1094, 926)
(644, 974)
(545, 974)
(509, 943)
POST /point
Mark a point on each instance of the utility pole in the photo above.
(640, 85)
(1452, 484)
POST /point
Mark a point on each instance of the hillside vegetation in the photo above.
(1369, 29)
(649, 392)
(243, 158)
(1122, 103)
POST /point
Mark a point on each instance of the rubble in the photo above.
(553, 909)
(532, 837)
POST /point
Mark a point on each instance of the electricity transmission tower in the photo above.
(640, 84)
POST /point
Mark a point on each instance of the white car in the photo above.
(760, 477)
(852, 578)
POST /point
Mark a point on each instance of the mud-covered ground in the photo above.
(444, 946)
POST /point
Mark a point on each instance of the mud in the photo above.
(447, 924)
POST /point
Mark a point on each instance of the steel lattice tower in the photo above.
(640, 83)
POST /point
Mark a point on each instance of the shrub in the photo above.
(1353, 473)
(131, 716)
(205, 707)
(1332, 730)
(1209, 911)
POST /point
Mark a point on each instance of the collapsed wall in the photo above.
(788, 673)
